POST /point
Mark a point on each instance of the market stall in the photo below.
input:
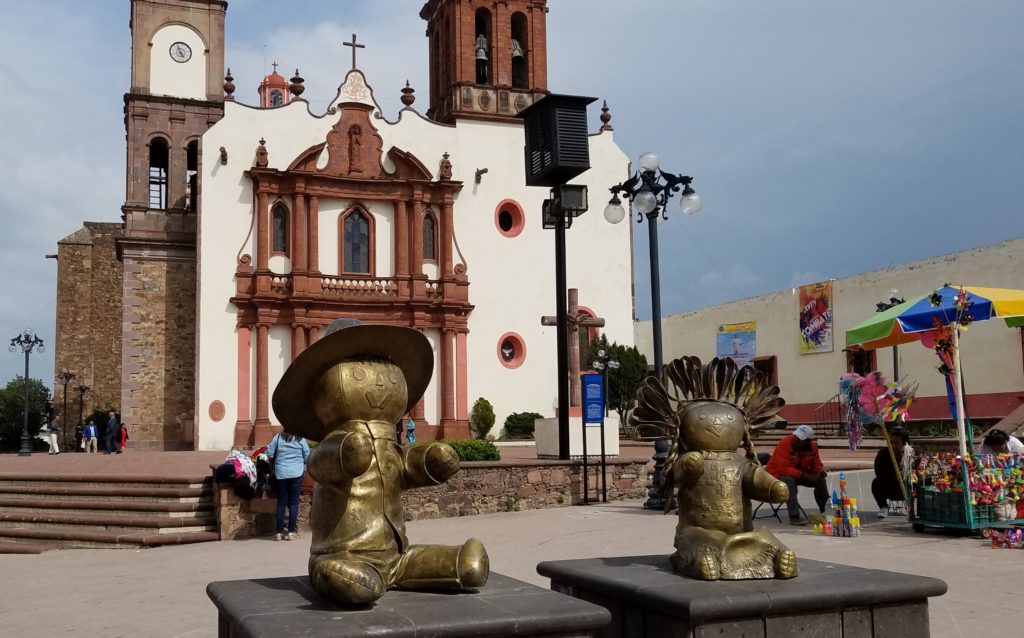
(964, 490)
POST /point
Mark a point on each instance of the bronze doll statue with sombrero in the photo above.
(347, 391)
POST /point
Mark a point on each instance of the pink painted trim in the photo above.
(520, 346)
(987, 405)
(461, 377)
(518, 217)
(244, 374)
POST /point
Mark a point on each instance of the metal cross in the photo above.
(354, 47)
(275, 66)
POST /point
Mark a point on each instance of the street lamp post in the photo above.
(649, 191)
(603, 363)
(81, 390)
(65, 377)
(882, 306)
(27, 342)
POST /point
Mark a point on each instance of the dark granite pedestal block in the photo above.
(281, 607)
(647, 599)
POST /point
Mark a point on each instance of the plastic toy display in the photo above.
(972, 492)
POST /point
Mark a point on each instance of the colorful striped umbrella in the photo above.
(956, 306)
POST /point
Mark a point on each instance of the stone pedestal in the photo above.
(647, 599)
(545, 433)
(278, 607)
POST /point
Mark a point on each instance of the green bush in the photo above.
(481, 418)
(519, 425)
(474, 449)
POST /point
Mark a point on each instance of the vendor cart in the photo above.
(962, 497)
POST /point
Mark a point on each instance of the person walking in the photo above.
(54, 429)
(113, 435)
(123, 436)
(289, 454)
(89, 436)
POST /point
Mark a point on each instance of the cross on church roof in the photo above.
(275, 66)
(354, 47)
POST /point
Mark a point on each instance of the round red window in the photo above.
(509, 218)
(511, 350)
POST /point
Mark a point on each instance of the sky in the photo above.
(825, 139)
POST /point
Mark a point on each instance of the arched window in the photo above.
(356, 243)
(158, 173)
(276, 98)
(520, 46)
(279, 229)
(429, 237)
(192, 175)
(482, 46)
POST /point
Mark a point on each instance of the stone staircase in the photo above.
(115, 512)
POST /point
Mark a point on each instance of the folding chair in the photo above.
(775, 508)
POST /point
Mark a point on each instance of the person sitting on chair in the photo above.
(886, 486)
(999, 442)
(795, 461)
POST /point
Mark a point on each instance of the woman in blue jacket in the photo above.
(289, 454)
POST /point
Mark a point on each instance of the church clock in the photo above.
(181, 52)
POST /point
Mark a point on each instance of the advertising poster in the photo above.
(816, 318)
(737, 340)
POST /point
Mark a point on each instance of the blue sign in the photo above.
(593, 398)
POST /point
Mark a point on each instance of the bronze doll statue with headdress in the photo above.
(708, 412)
(347, 391)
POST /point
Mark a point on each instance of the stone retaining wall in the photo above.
(479, 488)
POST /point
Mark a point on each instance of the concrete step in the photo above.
(107, 493)
(73, 506)
(24, 548)
(108, 522)
(75, 537)
(121, 481)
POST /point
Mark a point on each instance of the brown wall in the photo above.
(88, 342)
(158, 357)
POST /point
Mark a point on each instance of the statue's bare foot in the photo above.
(347, 581)
(785, 564)
(707, 567)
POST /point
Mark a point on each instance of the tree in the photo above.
(481, 418)
(12, 405)
(624, 380)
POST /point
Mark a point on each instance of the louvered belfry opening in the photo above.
(557, 146)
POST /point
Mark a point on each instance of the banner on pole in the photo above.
(816, 318)
(737, 340)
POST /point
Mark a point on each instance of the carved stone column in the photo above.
(262, 424)
(298, 253)
(447, 234)
(313, 265)
(447, 381)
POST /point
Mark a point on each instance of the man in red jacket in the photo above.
(795, 461)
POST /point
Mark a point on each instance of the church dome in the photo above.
(274, 90)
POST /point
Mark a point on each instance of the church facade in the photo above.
(249, 228)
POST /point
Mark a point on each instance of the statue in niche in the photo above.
(708, 413)
(481, 59)
(446, 168)
(355, 142)
(347, 391)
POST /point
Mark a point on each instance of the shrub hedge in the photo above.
(474, 449)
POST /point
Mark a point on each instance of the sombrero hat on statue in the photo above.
(407, 348)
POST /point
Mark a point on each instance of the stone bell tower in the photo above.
(488, 58)
(176, 94)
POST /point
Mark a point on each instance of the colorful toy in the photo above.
(1011, 538)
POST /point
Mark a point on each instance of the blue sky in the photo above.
(825, 139)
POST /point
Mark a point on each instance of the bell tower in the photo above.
(176, 94)
(488, 58)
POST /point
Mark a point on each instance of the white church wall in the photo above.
(280, 264)
(180, 79)
(279, 355)
(431, 397)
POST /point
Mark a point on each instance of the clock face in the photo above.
(181, 52)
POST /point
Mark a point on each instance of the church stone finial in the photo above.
(606, 117)
(407, 94)
(296, 87)
(229, 86)
(262, 156)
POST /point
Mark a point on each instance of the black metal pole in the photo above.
(586, 467)
(562, 337)
(604, 469)
(26, 449)
(652, 229)
(895, 364)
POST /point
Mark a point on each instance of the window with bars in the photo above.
(158, 156)
(356, 243)
(429, 238)
(280, 229)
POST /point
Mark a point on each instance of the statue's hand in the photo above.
(441, 462)
(689, 468)
(356, 453)
(779, 492)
